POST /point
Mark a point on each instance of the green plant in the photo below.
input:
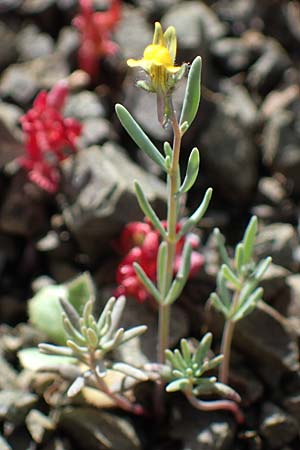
(158, 62)
(238, 290)
(89, 341)
(188, 365)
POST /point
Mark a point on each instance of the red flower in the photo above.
(95, 29)
(141, 243)
(49, 137)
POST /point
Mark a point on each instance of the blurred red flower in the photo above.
(49, 137)
(139, 241)
(95, 29)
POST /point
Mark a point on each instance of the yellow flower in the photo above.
(158, 61)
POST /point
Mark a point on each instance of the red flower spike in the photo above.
(140, 243)
(49, 137)
(95, 28)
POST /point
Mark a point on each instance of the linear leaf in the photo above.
(139, 136)
(147, 282)
(192, 93)
(191, 172)
(148, 210)
(230, 276)
(197, 215)
(249, 239)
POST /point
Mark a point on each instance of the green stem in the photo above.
(226, 343)
(172, 218)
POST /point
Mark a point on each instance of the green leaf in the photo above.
(212, 363)
(249, 305)
(224, 292)
(148, 210)
(71, 331)
(107, 308)
(217, 303)
(168, 149)
(133, 333)
(33, 359)
(177, 385)
(203, 348)
(114, 342)
(221, 246)
(191, 172)
(249, 239)
(192, 93)
(197, 215)
(45, 312)
(239, 257)
(230, 276)
(139, 136)
(161, 266)
(262, 268)
(80, 290)
(130, 371)
(92, 338)
(147, 282)
(185, 350)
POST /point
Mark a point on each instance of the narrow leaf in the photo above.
(218, 305)
(130, 371)
(221, 246)
(230, 276)
(114, 342)
(249, 239)
(197, 215)
(116, 314)
(212, 363)
(108, 307)
(223, 291)
(249, 305)
(148, 210)
(70, 312)
(262, 268)
(185, 350)
(92, 338)
(147, 282)
(168, 149)
(72, 332)
(177, 385)
(139, 136)
(192, 93)
(203, 348)
(50, 349)
(191, 172)
(239, 257)
(161, 266)
(133, 333)
(76, 387)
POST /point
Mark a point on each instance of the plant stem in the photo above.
(226, 343)
(215, 405)
(121, 401)
(172, 182)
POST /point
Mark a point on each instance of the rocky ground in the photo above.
(248, 132)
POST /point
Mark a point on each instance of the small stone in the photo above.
(233, 55)
(203, 431)
(271, 190)
(269, 68)
(277, 427)
(279, 241)
(31, 43)
(84, 105)
(21, 82)
(8, 51)
(36, 6)
(94, 429)
(266, 339)
(96, 214)
(96, 131)
(233, 170)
